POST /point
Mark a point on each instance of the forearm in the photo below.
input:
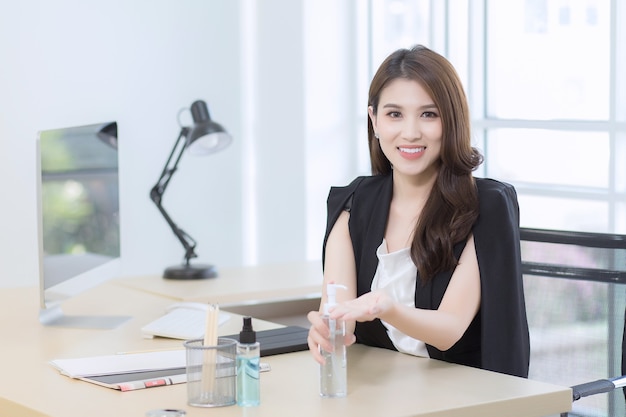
(437, 328)
(443, 327)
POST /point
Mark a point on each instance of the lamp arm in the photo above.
(156, 195)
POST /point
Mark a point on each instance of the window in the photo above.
(549, 122)
(546, 80)
(543, 79)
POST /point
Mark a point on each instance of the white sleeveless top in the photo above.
(396, 274)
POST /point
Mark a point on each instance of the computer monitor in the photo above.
(78, 218)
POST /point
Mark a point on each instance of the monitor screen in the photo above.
(79, 224)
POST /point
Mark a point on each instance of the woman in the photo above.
(429, 254)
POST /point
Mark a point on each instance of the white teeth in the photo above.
(411, 150)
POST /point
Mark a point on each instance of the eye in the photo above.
(430, 114)
(394, 114)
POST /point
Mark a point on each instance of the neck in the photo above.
(411, 188)
(408, 200)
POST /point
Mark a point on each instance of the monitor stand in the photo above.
(54, 317)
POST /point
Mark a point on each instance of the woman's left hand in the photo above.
(367, 307)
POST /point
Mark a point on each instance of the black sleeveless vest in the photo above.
(497, 339)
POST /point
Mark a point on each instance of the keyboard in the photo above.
(183, 321)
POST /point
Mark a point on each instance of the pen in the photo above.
(151, 383)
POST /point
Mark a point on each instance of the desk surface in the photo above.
(380, 382)
(273, 282)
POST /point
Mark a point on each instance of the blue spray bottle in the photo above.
(248, 361)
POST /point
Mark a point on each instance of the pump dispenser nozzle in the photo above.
(331, 295)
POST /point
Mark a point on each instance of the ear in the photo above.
(370, 112)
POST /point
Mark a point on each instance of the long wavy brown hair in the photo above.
(452, 207)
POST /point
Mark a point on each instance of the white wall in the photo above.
(275, 122)
(68, 63)
(336, 58)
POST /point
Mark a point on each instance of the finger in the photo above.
(316, 321)
(338, 311)
(346, 313)
(314, 349)
(314, 317)
(317, 341)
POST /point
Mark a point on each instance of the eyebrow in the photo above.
(397, 106)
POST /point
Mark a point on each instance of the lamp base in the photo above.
(190, 272)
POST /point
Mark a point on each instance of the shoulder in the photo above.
(495, 193)
(345, 198)
(498, 204)
(365, 181)
(360, 186)
(489, 187)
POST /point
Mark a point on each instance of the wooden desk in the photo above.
(250, 285)
(380, 382)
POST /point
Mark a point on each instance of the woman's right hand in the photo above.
(319, 335)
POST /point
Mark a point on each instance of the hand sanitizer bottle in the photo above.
(333, 373)
(248, 358)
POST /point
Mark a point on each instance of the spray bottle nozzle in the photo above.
(247, 334)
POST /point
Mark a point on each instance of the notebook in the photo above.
(183, 321)
(282, 340)
(132, 371)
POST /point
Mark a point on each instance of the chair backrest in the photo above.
(575, 288)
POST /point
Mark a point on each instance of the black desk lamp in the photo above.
(203, 138)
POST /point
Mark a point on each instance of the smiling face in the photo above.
(409, 127)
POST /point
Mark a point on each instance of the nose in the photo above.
(411, 129)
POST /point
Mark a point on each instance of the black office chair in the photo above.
(575, 289)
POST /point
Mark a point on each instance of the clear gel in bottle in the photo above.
(248, 358)
(333, 373)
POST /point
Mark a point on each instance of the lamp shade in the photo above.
(205, 136)
(108, 134)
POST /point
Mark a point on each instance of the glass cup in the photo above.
(211, 373)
